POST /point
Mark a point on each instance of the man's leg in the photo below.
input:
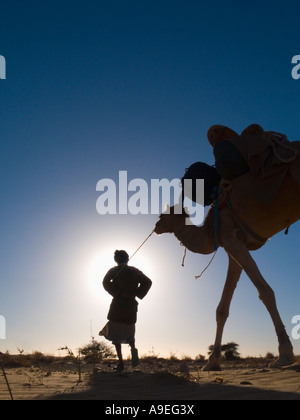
(120, 366)
(134, 355)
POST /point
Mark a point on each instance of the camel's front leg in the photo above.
(240, 253)
(233, 276)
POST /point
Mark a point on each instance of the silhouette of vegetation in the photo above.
(95, 351)
(75, 359)
(229, 351)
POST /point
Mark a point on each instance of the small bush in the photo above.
(95, 351)
(270, 356)
(200, 358)
(229, 351)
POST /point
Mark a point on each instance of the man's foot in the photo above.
(119, 367)
(134, 357)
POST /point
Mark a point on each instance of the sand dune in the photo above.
(166, 386)
(235, 384)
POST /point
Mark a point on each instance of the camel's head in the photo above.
(171, 220)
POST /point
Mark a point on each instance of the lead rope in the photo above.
(216, 207)
(184, 255)
(143, 243)
(279, 139)
(203, 271)
(211, 260)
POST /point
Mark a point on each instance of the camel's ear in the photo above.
(186, 211)
(167, 208)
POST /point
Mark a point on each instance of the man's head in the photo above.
(121, 257)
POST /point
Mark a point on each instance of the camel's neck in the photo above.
(198, 239)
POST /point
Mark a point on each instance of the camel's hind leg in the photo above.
(233, 276)
(240, 253)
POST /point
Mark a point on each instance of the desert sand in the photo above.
(161, 381)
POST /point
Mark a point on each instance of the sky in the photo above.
(95, 87)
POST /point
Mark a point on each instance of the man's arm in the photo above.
(109, 284)
(144, 286)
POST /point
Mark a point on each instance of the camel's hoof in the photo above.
(295, 366)
(281, 362)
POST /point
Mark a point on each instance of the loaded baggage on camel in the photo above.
(256, 160)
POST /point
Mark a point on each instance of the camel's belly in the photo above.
(267, 220)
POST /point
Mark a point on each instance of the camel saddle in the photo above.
(257, 160)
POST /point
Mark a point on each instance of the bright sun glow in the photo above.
(100, 260)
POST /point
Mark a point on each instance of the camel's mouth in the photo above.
(173, 215)
(158, 229)
(162, 225)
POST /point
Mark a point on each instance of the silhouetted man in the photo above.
(124, 283)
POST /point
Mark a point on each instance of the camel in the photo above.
(244, 224)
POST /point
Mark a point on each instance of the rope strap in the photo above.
(143, 243)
